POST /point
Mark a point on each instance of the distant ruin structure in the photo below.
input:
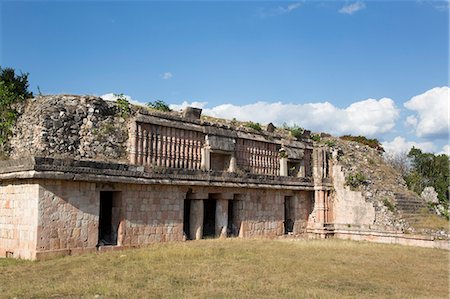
(83, 177)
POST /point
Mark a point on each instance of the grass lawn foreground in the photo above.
(236, 268)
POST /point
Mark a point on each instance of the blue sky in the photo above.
(313, 63)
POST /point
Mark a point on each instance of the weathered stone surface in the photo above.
(430, 195)
(77, 158)
(80, 127)
(221, 218)
(196, 219)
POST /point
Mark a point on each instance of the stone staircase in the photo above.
(412, 209)
(409, 203)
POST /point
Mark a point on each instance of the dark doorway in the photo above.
(288, 215)
(109, 218)
(234, 217)
(186, 218)
(209, 219)
(231, 230)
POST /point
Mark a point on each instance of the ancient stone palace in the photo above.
(84, 174)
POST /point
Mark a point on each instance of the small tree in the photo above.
(18, 84)
(159, 105)
(123, 105)
(399, 161)
(13, 90)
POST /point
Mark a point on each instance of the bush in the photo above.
(123, 105)
(159, 105)
(315, 137)
(330, 143)
(13, 90)
(355, 180)
(373, 143)
(254, 126)
(295, 130)
(391, 207)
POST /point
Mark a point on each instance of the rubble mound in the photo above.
(396, 207)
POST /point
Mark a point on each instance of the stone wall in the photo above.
(68, 215)
(152, 214)
(350, 207)
(59, 216)
(18, 219)
(79, 127)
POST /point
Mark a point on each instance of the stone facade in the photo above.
(82, 177)
(18, 218)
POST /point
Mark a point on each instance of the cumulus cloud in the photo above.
(432, 113)
(166, 76)
(445, 150)
(185, 104)
(400, 145)
(113, 97)
(352, 8)
(369, 117)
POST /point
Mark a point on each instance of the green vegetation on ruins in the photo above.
(13, 91)
(159, 105)
(254, 126)
(355, 180)
(236, 268)
(295, 130)
(123, 105)
(373, 143)
(429, 170)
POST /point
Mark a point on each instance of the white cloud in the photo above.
(113, 97)
(185, 104)
(352, 8)
(411, 121)
(432, 113)
(166, 76)
(445, 150)
(369, 117)
(280, 10)
(400, 145)
(443, 6)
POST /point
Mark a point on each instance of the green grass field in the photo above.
(236, 268)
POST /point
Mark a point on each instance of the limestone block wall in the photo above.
(350, 207)
(69, 214)
(57, 215)
(153, 213)
(264, 212)
(304, 205)
(18, 219)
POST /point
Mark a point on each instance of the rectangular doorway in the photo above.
(288, 215)
(209, 218)
(234, 217)
(110, 217)
(186, 219)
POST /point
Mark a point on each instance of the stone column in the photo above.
(196, 219)
(319, 163)
(233, 164)
(206, 159)
(301, 171)
(283, 167)
(132, 132)
(221, 218)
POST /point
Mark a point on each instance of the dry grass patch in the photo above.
(236, 268)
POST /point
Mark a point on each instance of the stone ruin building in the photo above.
(83, 175)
